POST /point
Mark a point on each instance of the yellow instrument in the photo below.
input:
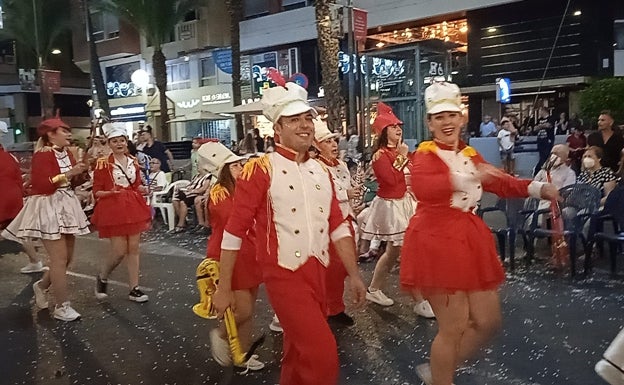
(207, 281)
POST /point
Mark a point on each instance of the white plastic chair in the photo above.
(166, 208)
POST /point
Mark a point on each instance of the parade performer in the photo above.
(290, 200)
(246, 276)
(393, 206)
(449, 252)
(121, 212)
(53, 213)
(13, 201)
(325, 142)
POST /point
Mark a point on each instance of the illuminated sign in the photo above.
(503, 90)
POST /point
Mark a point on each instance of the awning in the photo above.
(249, 108)
(199, 116)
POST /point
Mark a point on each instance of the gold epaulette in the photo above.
(218, 193)
(376, 155)
(101, 163)
(427, 146)
(469, 151)
(249, 168)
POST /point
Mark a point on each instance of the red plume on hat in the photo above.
(276, 76)
(385, 117)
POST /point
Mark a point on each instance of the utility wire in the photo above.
(552, 50)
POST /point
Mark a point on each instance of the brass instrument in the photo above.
(358, 182)
(207, 280)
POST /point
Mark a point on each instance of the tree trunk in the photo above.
(328, 52)
(160, 75)
(96, 70)
(235, 9)
(47, 98)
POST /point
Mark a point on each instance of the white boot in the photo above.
(611, 367)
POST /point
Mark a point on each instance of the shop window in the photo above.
(119, 80)
(105, 26)
(178, 76)
(208, 72)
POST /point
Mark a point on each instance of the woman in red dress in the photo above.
(393, 206)
(449, 253)
(53, 213)
(247, 274)
(121, 213)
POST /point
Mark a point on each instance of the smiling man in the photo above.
(290, 200)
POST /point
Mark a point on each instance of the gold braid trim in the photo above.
(60, 179)
(101, 163)
(399, 162)
(249, 168)
(218, 194)
(469, 151)
(427, 146)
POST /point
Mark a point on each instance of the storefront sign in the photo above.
(360, 24)
(503, 90)
(131, 112)
(207, 99)
(121, 89)
(223, 59)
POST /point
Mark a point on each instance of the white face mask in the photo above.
(589, 162)
(555, 160)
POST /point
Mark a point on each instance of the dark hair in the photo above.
(381, 140)
(607, 112)
(131, 148)
(597, 150)
(226, 179)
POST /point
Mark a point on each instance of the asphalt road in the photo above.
(555, 329)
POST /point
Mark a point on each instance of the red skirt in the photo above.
(121, 214)
(449, 251)
(12, 201)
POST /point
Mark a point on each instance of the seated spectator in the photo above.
(595, 174)
(157, 180)
(185, 197)
(561, 174)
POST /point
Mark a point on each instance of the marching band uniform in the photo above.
(611, 366)
(451, 248)
(123, 213)
(52, 208)
(336, 272)
(13, 191)
(296, 213)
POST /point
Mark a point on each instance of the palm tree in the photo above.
(235, 9)
(96, 71)
(156, 20)
(36, 26)
(329, 47)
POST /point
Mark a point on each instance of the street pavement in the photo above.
(555, 328)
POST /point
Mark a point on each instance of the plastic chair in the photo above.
(166, 208)
(515, 212)
(581, 203)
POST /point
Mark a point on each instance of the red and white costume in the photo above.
(52, 209)
(247, 272)
(12, 189)
(447, 246)
(336, 272)
(295, 213)
(124, 212)
(393, 206)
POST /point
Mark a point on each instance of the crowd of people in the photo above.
(291, 214)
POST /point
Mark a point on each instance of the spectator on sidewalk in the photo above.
(506, 142)
(609, 138)
(155, 149)
(487, 127)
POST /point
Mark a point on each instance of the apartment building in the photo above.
(198, 69)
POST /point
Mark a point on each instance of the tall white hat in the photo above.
(115, 129)
(289, 100)
(214, 155)
(442, 97)
(321, 131)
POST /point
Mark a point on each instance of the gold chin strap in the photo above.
(207, 281)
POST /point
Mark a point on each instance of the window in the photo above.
(287, 5)
(105, 26)
(208, 72)
(255, 8)
(119, 80)
(618, 34)
(178, 76)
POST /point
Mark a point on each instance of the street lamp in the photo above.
(140, 78)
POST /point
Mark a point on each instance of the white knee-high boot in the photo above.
(611, 367)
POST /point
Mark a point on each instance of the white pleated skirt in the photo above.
(388, 219)
(48, 217)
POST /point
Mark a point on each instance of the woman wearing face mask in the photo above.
(593, 173)
(449, 253)
(53, 213)
(561, 174)
(121, 213)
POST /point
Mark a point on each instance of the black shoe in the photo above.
(137, 295)
(341, 319)
(100, 288)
